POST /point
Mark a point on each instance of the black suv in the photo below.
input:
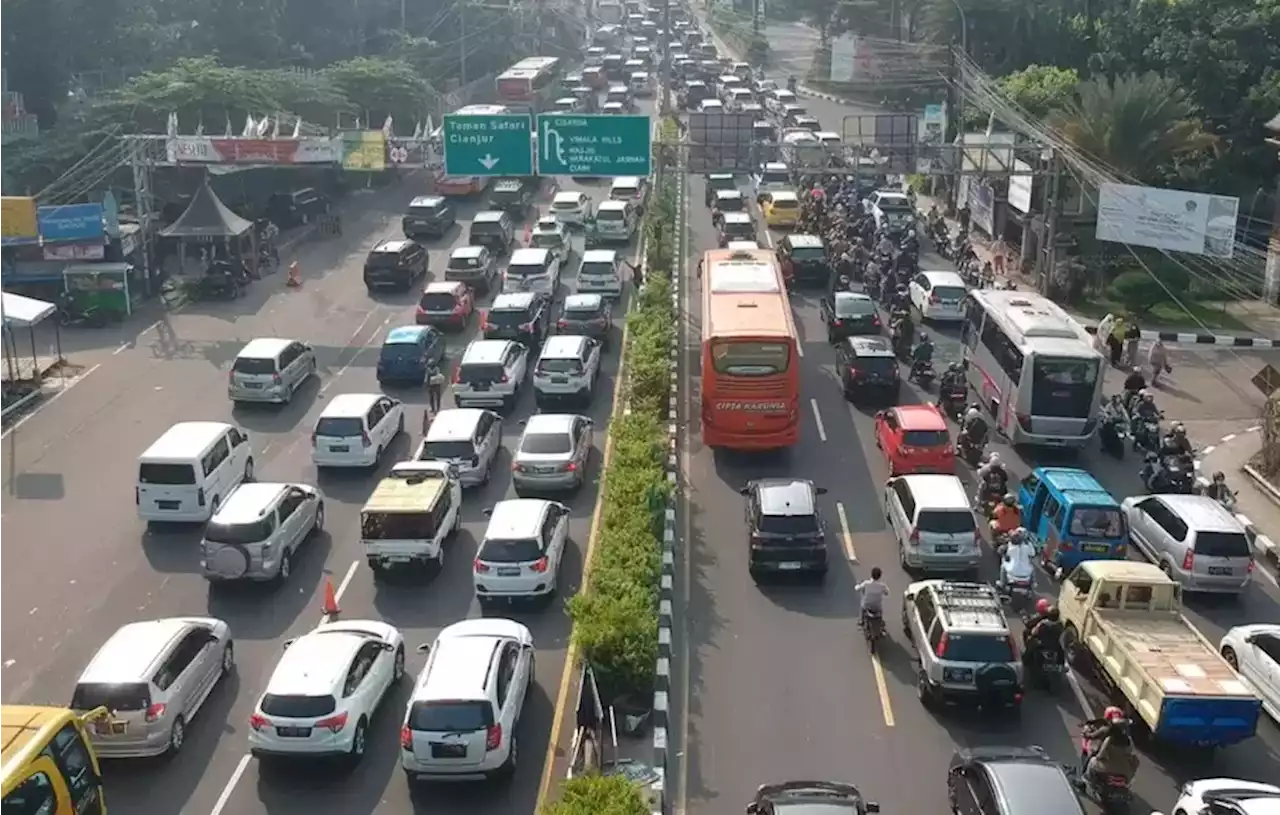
(521, 316)
(786, 531)
(296, 208)
(866, 365)
(829, 797)
(429, 216)
(807, 255)
(395, 264)
(511, 195)
(1009, 781)
(715, 183)
(849, 314)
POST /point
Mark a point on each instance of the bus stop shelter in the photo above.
(22, 361)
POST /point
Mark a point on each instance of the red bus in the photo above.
(532, 82)
(750, 352)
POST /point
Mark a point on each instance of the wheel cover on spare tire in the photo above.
(996, 680)
(230, 562)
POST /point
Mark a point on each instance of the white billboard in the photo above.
(1173, 220)
(1020, 187)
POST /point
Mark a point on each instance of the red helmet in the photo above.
(1042, 606)
(1113, 714)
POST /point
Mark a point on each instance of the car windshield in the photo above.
(254, 366)
(240, 534)
(437, 301)
(1063, 387)
(447, 450)
(450, 716)
(168, 474)
(1096, 522)
(297, 707)
(510, 551)
(981, 648)
(946, 523)
(127, 696)
(809, 254)
(342, 427)
(788, 524)
(546, 444)
(925, 438)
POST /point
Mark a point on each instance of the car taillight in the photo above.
(1013, 645)
(493, 737)
(875, 321)
(276, 379)
(526, 326)
(313, 439)
(503, 379)
(459, 306)
(934, 298)
(571, 467)
(562, 324)
(941, 650)
(756, 542)
(484, 321)
(539, 565)
(137, 496)
(155, 712)
(364, 439)
(837, 322)
(977, 539)
(257, 721)
(1188, 560)
(457, 375)
(1250, 567)
(406, 738)
(420, 311)
(599, 321)
(853, 371)
(915, 535)
(517, 467)
(479, 566)
(200, 496)
(333, 724)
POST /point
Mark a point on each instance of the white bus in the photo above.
(1033, 367)
(462, 184)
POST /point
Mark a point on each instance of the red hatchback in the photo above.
(915, 439)
(445, 304)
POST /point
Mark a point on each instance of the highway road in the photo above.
(777, 682)
(79, 563)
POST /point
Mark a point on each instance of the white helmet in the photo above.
(992, 459)
(971, 413)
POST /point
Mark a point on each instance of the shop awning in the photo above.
(23, 311)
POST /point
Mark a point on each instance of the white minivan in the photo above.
(185, 474)
(355, 428)
(535, 270)
(933, 523)
(600, 273)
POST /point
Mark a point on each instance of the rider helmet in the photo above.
(1113, 714)
(924, 337)
(1219, 477)
(1148, 397)
(971, 414)
(1042, 606)
(1052, 613)
(1179, 429)
(993, 459)
(1010, 500)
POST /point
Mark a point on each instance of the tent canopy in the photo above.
(24, 311)
(207, 217)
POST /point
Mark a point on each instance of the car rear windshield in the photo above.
(383, 260)
(723, 183)
(342, 427)
(1222, 544)
(113, 696)
(437, 301)
(788, 524)
(546, 240)
(425, 212)
(254, 532)
(786, 203)
(1063, 387)
(775, 177)
(170, 474)
(256, 366)
(464, 264)
(505, 196)
(609, 215)
(948, 292)
(470, 374)
(1097, 522)
(297, 707)
(570, 205)
(450, 717)
(527, 270)
(747, 358)
(885, 366)
(448, 450)
(397, 525)
(560, 366)
(508, 318)
(510, 551)
(546, 444)
(925, 438)
(854, 307)
(981, 648)
(582, 314)
(946, 523)
(731, 203)
(486, 228)
(809, 254)
(597, 270)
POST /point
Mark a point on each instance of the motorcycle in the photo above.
(1113, 792)
(969, 450)
(70, 313)
(872, 628)
(923, 374)
(1111, 435)
(1146, 435)
(951, 399)
(1017, 581)
(219, 287)
(1044, 662)
(1171, 474)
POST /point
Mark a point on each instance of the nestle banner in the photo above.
(223, 150)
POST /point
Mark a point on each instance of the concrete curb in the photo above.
(1192, 338)
(1266, 548)
(21, 403)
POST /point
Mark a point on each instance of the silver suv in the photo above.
(567, 369)
(270, 370)
(963, 645)
(490, 374)
(257, 530)
(1193, 539)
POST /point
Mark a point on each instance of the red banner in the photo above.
(231, 150)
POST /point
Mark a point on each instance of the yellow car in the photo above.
(781, 208)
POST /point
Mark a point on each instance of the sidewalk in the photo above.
(1257, 501)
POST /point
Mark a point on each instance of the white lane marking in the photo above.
(1228, 437)
(51, 400)
(846, 536)
(351, 341)
(768, 238)
(800, 349)
(817, 417)
(124, 346)
(342, 587)
(225, 796)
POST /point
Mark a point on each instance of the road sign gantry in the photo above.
(575, 145)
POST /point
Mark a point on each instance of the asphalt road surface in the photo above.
(778, 682)
(79, 563)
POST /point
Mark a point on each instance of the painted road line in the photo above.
(225, 795)
(846, 537)
(66, 387)
(359, 349)
(817, 417)
(342, 587)
(882, 688)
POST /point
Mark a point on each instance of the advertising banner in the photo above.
(409, 152)
(1173, 220)
(365, 150)
(74, 251)
(223, 150)
(71, 222)
(1020, 187)
(18, 219)
(982, 205)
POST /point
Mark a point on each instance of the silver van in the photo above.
(933, 523)
(467, 438)
(600, 272)
(616, 221)
(1194, 539)
(257, 530)
(270, 370)
(490, 373)
(152, 677)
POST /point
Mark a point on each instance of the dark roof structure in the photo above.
(207, 217)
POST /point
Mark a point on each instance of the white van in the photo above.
(600, 273)
(616, 221)
(185, 474)
(933, 523)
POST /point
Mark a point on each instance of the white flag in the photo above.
(249, 126)
(275, 127)
(297, 127)
(386, 127)
(229, 129)
(171, 126)
(417, 129)
(264, 125)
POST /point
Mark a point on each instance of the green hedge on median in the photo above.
(598, 795)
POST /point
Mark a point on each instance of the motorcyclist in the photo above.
(1176, 443)
(1007, 517)
(1219, 491)
(1017, 561)
(1145, 410)
(953, 379)
(922, 354)
(901, 299)
(992, 477)
(1109, 747)
(873, 593)
(975, 428)
(1044, 629)
(901, 329)
(1135, 382)
(1043, 607)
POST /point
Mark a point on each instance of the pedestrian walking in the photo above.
(1115, 342)
(435, 388)
(637, 275)
(1132, 334)
(1158, 359)
(1102, 336)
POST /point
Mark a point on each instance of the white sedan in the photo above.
(325, 689)
(1227, 796)
(571, 207)
(1254, 651)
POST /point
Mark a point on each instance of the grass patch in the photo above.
(1168, 316)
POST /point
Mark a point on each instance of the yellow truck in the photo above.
(1123, 620)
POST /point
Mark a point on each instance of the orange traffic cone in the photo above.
(295, 275)
(528, 234)
(330, 599)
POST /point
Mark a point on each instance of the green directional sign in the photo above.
(601, 145)
(487, 145)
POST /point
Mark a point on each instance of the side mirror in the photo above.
(589, 421)
(872, 806)
(487, 512)
(386, 646)
(287, 643)
(744, 491)
(423, 648)
(820, 490)
(752, 809)
(1251, 639)
(880, 414)
(522, 422)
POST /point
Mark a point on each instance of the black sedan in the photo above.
(849, 314)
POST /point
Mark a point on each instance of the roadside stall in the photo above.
(209, 222)
(104, 287)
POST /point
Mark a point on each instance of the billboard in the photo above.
(18, 219)
(722, 142)
(1020, 186)
(364, 150)
(71, 222)
(1172, 220)
(232, 150)
(892, 137)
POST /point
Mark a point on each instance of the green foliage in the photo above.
(1041, 89)
(381, 88)
(1140, 290)
(736, 31)
(616, 615)
(598, 795)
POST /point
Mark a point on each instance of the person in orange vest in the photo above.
(295, 274)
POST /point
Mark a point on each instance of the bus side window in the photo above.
(35, 796)
(72, 756)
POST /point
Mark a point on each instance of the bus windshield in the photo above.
(750, 358)
(1063, 387)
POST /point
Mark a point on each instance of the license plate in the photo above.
(560, 380)
(946, 548)
(398, 559)
(168, 504)
(789, 566)
(339, 448)
(504, 572)
(252, 384)
(1221, 570)
(439, 750)
(481, 386)
(1096, 548)
(293, 732)
(111, 727)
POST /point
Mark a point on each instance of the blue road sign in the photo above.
(487, 145)
(594, 145)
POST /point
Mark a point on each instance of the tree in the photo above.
(1041, 89)
(1137, 124)
(381, 88)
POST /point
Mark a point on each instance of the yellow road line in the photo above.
(883, 689)
(846, 537)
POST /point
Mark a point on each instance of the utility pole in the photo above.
(538, 18)
(1046, 276)
(954, 129)
(462, 44)
(664, 79)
